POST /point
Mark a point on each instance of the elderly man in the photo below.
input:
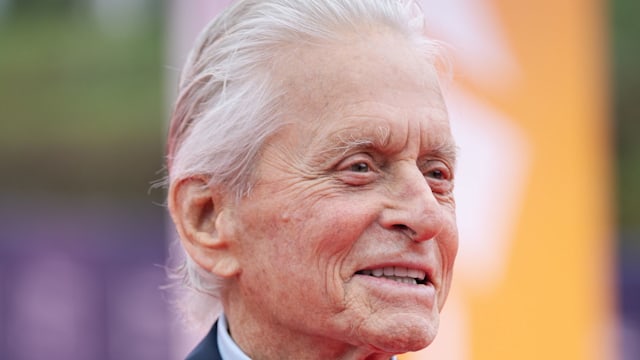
(311, 169)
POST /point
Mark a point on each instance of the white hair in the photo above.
(228, 101)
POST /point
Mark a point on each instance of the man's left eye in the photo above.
(361, 167)
(437, 174)
(438, 171)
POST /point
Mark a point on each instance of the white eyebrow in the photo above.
(348, 140)
(446, 150)
(352, 141)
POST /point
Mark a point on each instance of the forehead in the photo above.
(379, 58)
(356, 69)
(366, 88)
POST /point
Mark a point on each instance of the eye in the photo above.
(438, 170)
(436, 174)
(439, 176)
(358, 169)
(361, 167)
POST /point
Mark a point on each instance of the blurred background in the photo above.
(84, 89)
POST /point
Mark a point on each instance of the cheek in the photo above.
(312, 236)
(448, 238)
(318, 241)
(450, 245)
(448, 248)
(334, 226)
(299, 256)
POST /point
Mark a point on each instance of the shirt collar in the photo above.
(228, 348)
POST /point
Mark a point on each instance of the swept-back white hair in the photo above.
(228, 102)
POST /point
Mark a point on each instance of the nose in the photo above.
(413, 208)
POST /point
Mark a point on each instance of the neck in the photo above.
(262, 338)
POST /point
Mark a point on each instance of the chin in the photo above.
(406, 335)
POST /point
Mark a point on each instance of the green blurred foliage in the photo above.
(30, 7)
(81, 111)
(626, 102)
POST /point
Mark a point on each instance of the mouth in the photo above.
(399, 274)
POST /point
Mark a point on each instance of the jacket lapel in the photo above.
(208, 347)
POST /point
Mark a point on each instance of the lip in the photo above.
(430, 278)
(397, 293)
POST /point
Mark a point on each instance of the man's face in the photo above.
(359, 185)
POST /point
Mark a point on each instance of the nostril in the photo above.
(405, 229)
(402, 227)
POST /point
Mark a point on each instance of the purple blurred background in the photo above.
(81, 281)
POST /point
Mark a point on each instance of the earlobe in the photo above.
(203, 224)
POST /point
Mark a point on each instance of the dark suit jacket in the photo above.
(208, 347)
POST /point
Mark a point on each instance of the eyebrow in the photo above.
(447, 150)
(348, 140)
(352, 139)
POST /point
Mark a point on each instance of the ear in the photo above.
(204, 225)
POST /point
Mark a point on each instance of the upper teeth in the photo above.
(397, 273)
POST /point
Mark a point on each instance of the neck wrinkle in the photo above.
(272, 343)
